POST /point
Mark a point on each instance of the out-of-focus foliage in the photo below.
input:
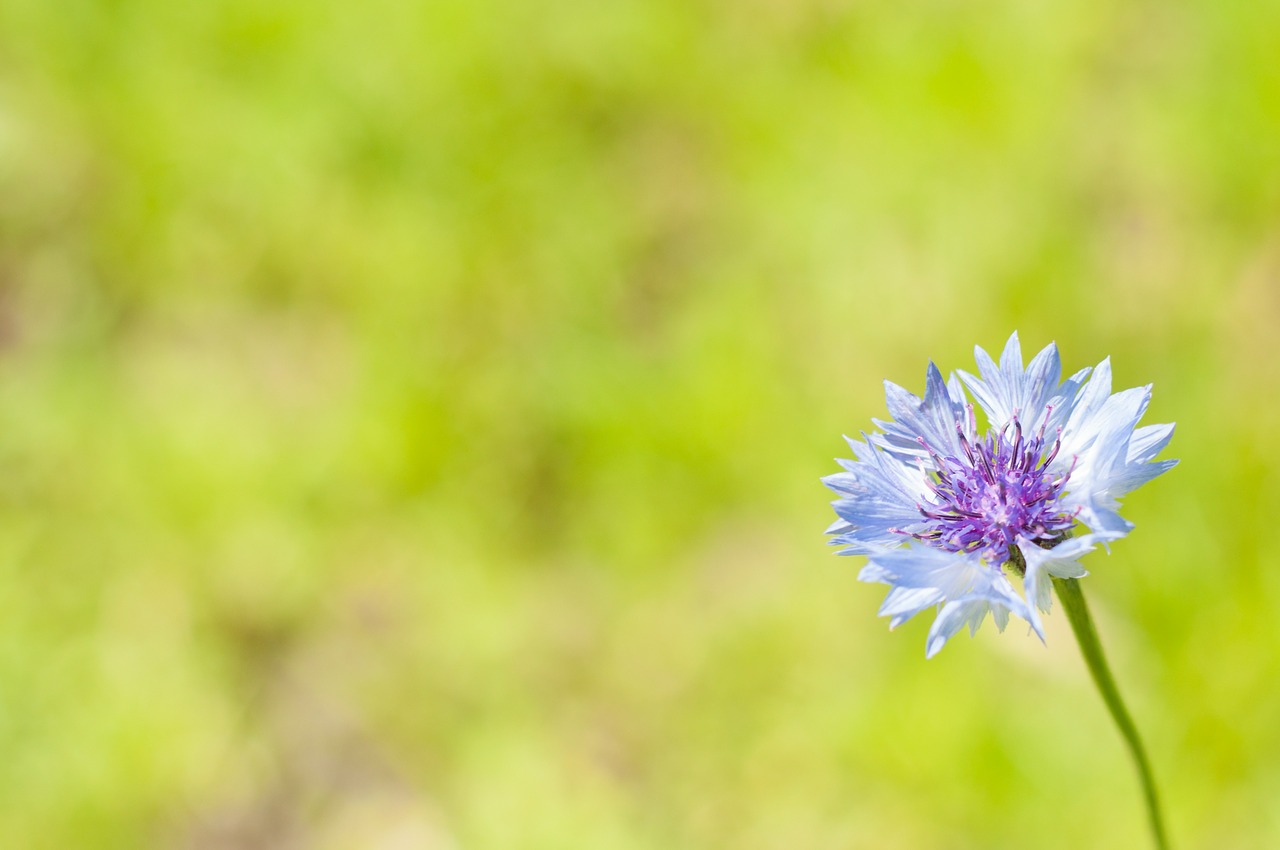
(411, 418)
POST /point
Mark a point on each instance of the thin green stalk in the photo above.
(1082, 624)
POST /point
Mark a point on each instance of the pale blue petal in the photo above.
(1108, 457)
(903, 603)
(1005, 390)
(934, 418)
(1011, 357)
(1148, 441)
(951, 619)
(1079, 432)
(881, 498)
(1061, 405)
(873, 572)
(957, 614)
(1103, 518)
(921, 576)
(838, 527)
(1041, 383)
(1062, 561)
(954, 573)
(993, 389)
(1036, 585)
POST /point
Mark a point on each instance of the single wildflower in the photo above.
(944, 511)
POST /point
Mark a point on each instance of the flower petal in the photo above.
(903, 603)
(1005, 390)
(1061, 562)
(881, 497)
(953, 617)
(935, 418)
(1148, 441)
(1105, 452)
(967, 587)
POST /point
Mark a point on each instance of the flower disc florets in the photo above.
(998, 491)
(939, 510)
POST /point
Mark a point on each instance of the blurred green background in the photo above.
(411, 418)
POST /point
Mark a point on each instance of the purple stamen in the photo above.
(1000, 490)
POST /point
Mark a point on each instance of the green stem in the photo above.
(1082, 625)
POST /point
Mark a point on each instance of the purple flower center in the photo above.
(1000, 490)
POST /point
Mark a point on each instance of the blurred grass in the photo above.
(411, 418)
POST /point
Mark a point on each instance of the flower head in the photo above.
(940, 509)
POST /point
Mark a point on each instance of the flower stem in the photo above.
(1091, 648)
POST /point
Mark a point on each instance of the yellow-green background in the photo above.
(411, 418)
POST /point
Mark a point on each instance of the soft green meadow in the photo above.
(411, 418)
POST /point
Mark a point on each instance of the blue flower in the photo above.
(940, 509)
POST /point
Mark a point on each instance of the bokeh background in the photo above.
(411, 418)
